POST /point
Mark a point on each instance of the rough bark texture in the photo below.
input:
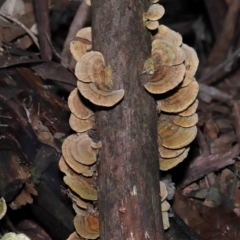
(129, 201)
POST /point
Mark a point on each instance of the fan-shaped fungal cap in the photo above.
(168, 153)
(98, 97)
(155, 12)
(188, 121)
(165, 78)
(175, 137)
(152, 25)
(165, 220)
(191, 61)
(165, 206)
(14, 236)
(179, 99)
(81, 187)
(163, 191)
(3, 207)
(166, 53)
(190, 110)
(169, 35)
(82, 43)
(88, 2)
(81, 125)
(77, 106)
(79, 147)
(87, 226)
(168, 163)
(71, 162)
(91, 68)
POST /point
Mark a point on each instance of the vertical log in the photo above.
(129, 170)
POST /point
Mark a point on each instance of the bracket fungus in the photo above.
(164, 205)
(175, 137)
(77, 107)
(168, 163)
(82, 43)
(81, 125)
(165, 78)
(87, 226)
(99, 97)
(166, 53)
(3, 208)
(179, 99)
(14, 236)
(169, 35)
(190, 110)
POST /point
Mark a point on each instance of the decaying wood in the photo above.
(129, 201)
(30, 118)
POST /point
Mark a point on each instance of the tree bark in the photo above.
(129, 202)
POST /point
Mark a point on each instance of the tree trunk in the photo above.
(129, 200)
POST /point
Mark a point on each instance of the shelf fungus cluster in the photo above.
(79, 150)
(171, 70)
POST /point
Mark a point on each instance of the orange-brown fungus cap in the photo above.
(179, 99)
(155, 12)
(87, 226)
(163, 191)
(82, 43)
(191, 61)
(166, 152)
(81, 187)
(71, 162)
(168, 163)
(166, 53)
(165, 78)
(79, 147)
(152, 25)
(188, 121)
(81, 125)
(174, 136)
(98, 97)
(165, 33)
(82, 151)
(190, 110)
(77, 106)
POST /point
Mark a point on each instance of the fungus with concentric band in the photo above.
(81, 125)
(190, 110)
(82, 43)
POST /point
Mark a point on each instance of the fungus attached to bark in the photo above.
(166, 53)
(81, 125)
(168, 34)
(152, 25)
(87, 226)
(81, 187)
(72, 163)
(175, 137)
(188, 121)
(179, 99)
(165, 78)
(82, 43)
(191, 60)
(166, 152)
(79, 148)
(165, 206)
(155, 12)
(77, 107)
(163, 191)
(99, 97)
(3, 208)
(168, 163)
(190, 110)
(88, 2)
